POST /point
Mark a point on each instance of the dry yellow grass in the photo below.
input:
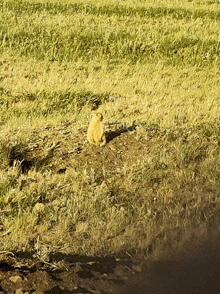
(158, 90)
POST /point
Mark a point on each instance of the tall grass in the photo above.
(67, 32)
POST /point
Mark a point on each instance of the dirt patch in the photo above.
(183, 271)
(65, 274)
(62, 147)
(123, 148)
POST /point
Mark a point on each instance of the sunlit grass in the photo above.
(151, 65)
(68, 32)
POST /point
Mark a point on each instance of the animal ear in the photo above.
(100, 115)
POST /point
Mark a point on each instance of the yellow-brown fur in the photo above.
(95, 134)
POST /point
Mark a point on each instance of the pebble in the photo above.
(15, 279)
(119, 270)
(137, 268)
(19, 291)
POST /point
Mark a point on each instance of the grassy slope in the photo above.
(155, 64)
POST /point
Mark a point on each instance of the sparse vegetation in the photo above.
(152, 69)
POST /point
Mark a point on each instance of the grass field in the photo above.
(153, 69)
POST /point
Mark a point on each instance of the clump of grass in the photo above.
(43, 104)
(71, 101)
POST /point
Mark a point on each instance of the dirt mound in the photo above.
(71, 149)
(62, 147)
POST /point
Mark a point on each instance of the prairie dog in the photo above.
(95, 134)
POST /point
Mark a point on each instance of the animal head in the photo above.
(97, 117)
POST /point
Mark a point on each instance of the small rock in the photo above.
(119, 270)
(15, 279)
(19, 291)
(137, 268)
(38, 264)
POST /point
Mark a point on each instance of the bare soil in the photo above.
(66, 146)
(199, 273)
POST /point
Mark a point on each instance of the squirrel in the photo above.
(95, 134)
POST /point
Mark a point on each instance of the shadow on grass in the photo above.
(114, 134)
(191, 267)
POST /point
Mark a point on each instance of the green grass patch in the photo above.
(93, 31)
